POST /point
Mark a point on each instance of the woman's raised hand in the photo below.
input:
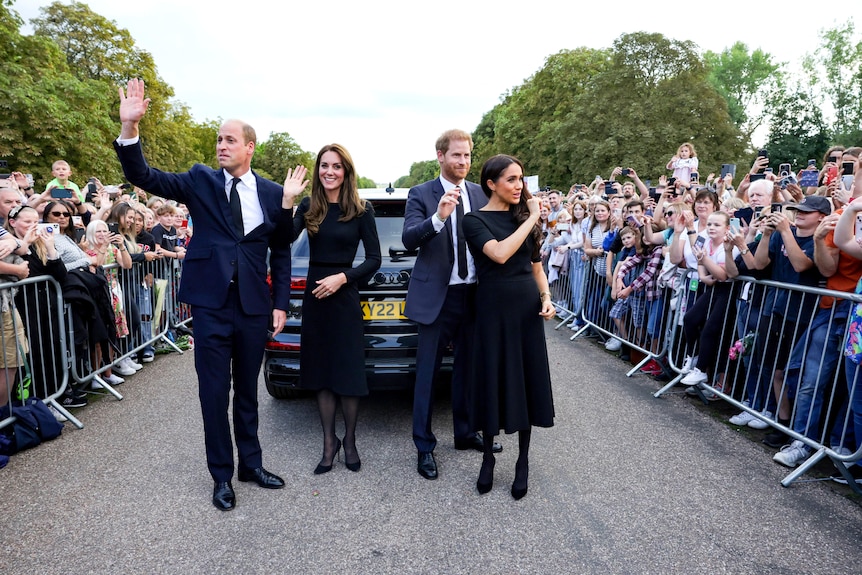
(294, 184)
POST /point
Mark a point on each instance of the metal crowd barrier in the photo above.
(147, 290)
(33, 341)
(742, 314)
(642, 321)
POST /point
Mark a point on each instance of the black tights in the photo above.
(327, 403)
(486, 474)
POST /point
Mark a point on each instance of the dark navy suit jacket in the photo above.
(216, 253)
(430, 278)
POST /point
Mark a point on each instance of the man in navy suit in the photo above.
(441, 295)
(238, 217)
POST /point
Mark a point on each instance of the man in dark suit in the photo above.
(238, 217)
(441, 295)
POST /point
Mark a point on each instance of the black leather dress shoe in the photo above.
(476, 442)
(223, 496)
(427, 465)
(262, 477)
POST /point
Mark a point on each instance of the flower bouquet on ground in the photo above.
(742, 347)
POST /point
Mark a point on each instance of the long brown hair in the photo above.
(492, 169)
(352, 206)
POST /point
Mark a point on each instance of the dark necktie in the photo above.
(236, 208)
(462, 244)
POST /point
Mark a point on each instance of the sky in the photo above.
(384, 78)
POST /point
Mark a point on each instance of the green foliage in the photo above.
(365, 182)
(278, 154)
(419, 172)
(798, 131)
(748, 82)
(587, 111)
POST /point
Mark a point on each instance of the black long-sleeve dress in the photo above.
(332, 336)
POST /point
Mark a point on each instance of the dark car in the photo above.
(390, 338)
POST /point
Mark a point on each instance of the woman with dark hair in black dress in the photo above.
(332, 357)
(511, 383)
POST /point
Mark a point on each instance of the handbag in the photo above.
(33, 424)
(24, 431)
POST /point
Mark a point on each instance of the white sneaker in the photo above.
(792, 455)
(689, 362)
(148, 357)
(123, 369)
(613, 344)
(129, 362)
(742, 418)
(112, 379)
(694, 377)
(759, 423)
(57, 415)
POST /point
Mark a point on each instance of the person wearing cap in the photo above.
(787, 250)
(814, 358)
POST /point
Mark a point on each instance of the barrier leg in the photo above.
(804, 467)
(106, 387)
(65, 413)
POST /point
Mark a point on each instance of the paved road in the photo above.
(624, 483)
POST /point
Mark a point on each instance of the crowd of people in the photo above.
(634, 258)
(102, 244)
(617, 253)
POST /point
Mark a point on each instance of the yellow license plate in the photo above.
(372, 310)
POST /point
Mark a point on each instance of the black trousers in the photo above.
(229, 346)
(454, 325)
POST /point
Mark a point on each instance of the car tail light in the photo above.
(281, 346)
(297, 283)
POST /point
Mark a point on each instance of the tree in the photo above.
(279, 153)
(365, 182)
(798, 130)
(840, 75)
(46, 112)
(748, 82)
(105, 56)
(419, 172)
(527, 121)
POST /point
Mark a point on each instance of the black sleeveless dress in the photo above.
(511, 383)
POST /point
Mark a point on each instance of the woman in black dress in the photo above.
(511, 383)
(332, 360)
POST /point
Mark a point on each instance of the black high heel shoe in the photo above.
(356, 465)
(519, 487)
(321, 468)
(486, 473)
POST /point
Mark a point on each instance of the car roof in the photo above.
(383, 193)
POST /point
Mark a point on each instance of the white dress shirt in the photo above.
(454, 278)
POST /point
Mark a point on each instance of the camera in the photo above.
(114, 228)
(812, 163)
(61, 193)
(609, 188)
(694, 176)
(783, 170)
(763, 153)
(626, 171)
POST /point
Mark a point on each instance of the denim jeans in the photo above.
(853, 373)
(815, 357)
